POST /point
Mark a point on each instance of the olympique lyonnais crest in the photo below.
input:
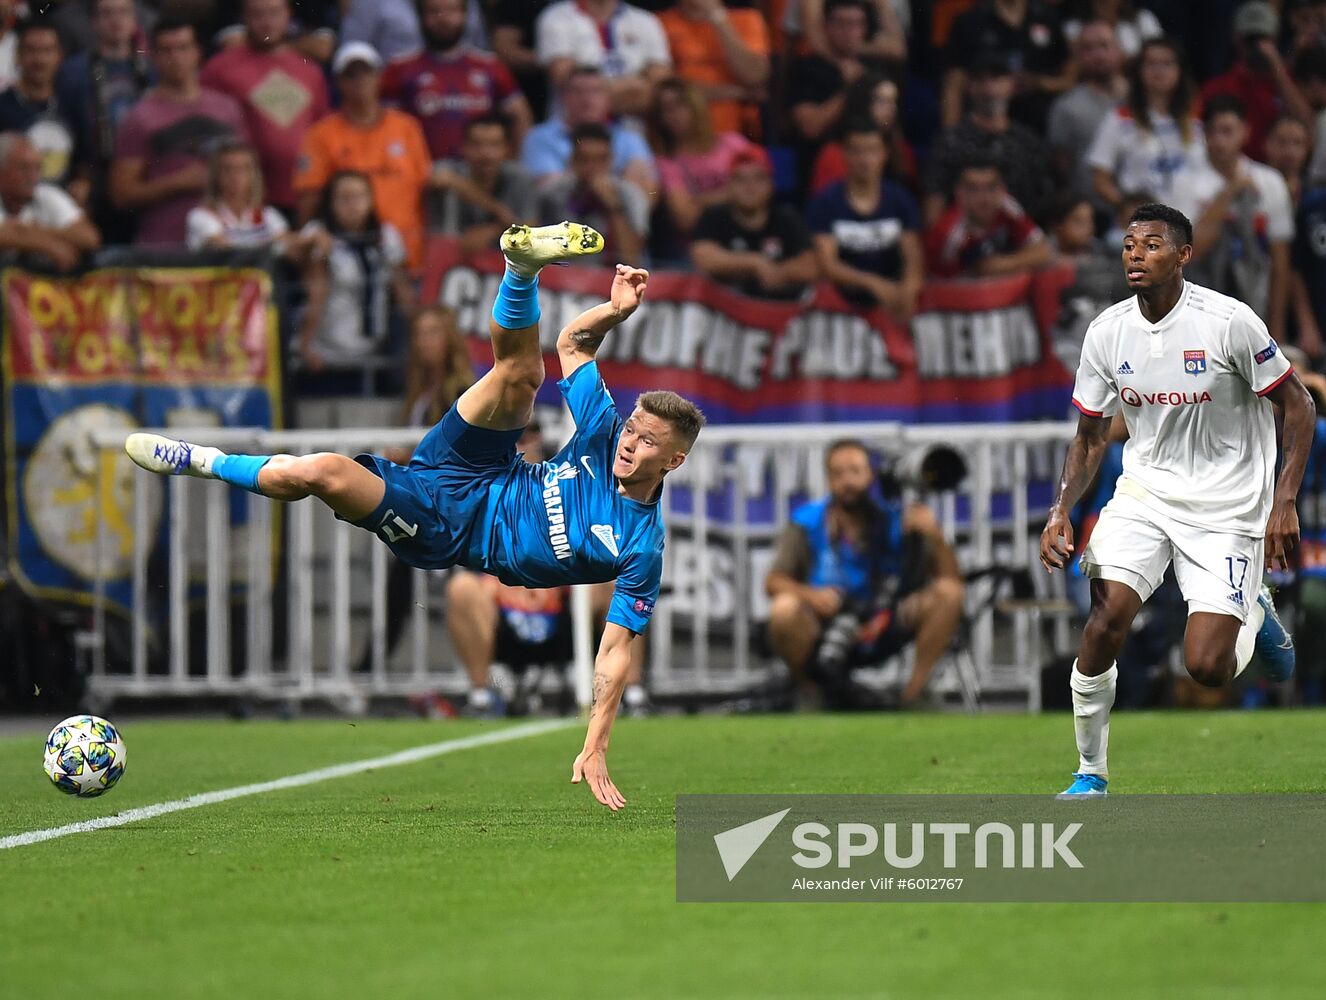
(1194, 362)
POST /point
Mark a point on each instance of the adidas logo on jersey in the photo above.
(1125, 369)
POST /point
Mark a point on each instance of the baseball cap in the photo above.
(1256, 19)
(752, 153)
(353, 52)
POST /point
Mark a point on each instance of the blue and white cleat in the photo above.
(168, 457)
(1085, 786)
(1275, 645)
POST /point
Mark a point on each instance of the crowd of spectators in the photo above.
(768, 144)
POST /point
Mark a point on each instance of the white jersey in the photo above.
(1201, 444)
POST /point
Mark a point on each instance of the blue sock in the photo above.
(240, 470)
(517, 302)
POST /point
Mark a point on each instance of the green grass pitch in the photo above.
(484, 873)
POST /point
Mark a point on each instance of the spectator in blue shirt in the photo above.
(95, 88)
(31, 106)
(866, 229)
(585, 101)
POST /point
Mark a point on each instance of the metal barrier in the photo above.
(327, 580)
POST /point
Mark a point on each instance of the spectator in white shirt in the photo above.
(1130, 26)
(1149, 138)
(626, 44)
(1075, 115)
(1243, 222)
(233, 213)
(354, 275)
(39, 219)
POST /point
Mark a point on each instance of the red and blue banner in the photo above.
(118, 349)
(976, 351)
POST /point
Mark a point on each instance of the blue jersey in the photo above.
(1312, 508)
(564, 521)
(856, 572)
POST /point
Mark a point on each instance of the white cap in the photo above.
(353, 52)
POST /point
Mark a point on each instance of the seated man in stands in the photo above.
(855, 580)
(748, 242)
(38, 220)
(985, 232)
(592, 192)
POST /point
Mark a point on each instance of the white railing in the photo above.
(707, 626)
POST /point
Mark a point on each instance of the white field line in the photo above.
(411, 756)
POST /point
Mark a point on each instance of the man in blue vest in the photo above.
(855, 580)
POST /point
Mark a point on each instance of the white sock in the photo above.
(1246, 640)
(480, 698)
(201, 458)
(1093, 697)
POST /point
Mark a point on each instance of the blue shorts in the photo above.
(432, 506)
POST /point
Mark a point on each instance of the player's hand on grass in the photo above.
(1056, 540)
(592, 767)
(628, 289)
(1281, 534)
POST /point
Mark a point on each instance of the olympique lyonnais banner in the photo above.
(975, 352)
(119, 349)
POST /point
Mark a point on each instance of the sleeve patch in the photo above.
(1266, 354)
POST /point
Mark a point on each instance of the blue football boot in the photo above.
(1275, 646)
(1085, 786)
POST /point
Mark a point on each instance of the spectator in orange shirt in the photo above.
(726, 53)
(384, 144)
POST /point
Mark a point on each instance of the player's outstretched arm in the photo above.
(1300, 413)
(1080, 467)
(610, 669)
(580, 339)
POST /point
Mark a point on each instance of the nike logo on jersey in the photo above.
(1125, 369)
(584, 460)
(603, 532)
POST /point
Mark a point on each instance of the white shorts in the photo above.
(1132, 544)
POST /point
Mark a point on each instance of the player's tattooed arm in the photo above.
(580, 339)
(610, 670)
(600, 688)
(1081, 464)
(588, 341)
(1292, 398)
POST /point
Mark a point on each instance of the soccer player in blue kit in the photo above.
(589, 515)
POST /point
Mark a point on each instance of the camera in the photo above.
(934, 469)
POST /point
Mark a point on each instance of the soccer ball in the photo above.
(84, 756)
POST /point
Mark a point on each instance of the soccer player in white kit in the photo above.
(1195, 374)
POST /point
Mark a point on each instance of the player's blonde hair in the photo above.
(683, 416)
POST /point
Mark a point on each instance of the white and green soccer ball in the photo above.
(84, 756)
